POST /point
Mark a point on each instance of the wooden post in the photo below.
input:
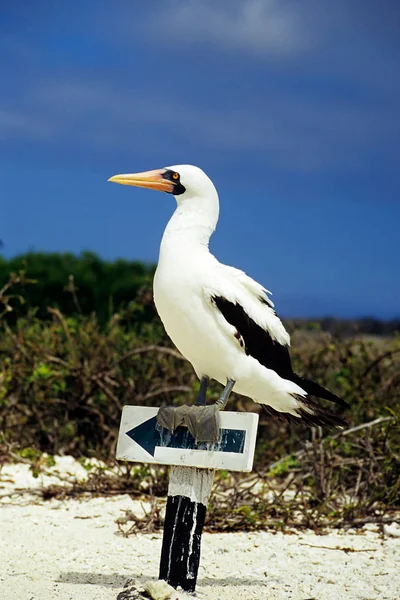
(188, 494)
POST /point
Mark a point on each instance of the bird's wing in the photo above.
(238, 288)
(249, 284)
(240, 308)
(244, 315)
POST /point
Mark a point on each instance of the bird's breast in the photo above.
(177, 297)
(180, 302)
(183, 274)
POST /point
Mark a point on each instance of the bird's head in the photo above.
(183, 181)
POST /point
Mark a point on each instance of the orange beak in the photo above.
(153, 180)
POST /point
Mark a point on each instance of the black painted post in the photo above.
(188, 494)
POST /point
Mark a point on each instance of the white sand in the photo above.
(71, 550)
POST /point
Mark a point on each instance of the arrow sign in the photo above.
(141, 440)
(148, 435)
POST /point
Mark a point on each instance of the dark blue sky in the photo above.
(292, 108)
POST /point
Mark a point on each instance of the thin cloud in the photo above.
(292, 135)
(17, 124)
(271, 28)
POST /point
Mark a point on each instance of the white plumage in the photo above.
(220, 319)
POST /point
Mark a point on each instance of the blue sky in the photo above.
(291, 107)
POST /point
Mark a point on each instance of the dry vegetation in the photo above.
(63, 383)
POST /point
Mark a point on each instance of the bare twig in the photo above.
(345, 549)
(145, 349)
(362, 426)
(379, 359)
(57, 314)
(17, 343)
(303, 451)
(167, 389)
(107, 391)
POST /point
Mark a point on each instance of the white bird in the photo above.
(220, 319)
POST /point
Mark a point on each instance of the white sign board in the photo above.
(141, 441)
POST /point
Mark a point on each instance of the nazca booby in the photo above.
(218, 317)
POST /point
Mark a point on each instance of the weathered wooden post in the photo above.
(188, 494)
(191, 478)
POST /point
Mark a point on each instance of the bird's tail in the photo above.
(308, 411)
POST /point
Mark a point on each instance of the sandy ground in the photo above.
(71, 550)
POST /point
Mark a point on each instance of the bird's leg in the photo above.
(224, 397)
(202, 398)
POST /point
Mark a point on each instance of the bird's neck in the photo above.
(193, 221)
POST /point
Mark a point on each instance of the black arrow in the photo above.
(148, 436)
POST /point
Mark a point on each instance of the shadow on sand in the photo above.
(113, 581)
(118, 581)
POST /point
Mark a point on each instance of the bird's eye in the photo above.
(175, 176)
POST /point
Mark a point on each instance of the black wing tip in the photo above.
(337, 400)
(315, 414)
(342, 404)
(322, 418)
(315, 389)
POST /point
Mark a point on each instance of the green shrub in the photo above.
(64, 381)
